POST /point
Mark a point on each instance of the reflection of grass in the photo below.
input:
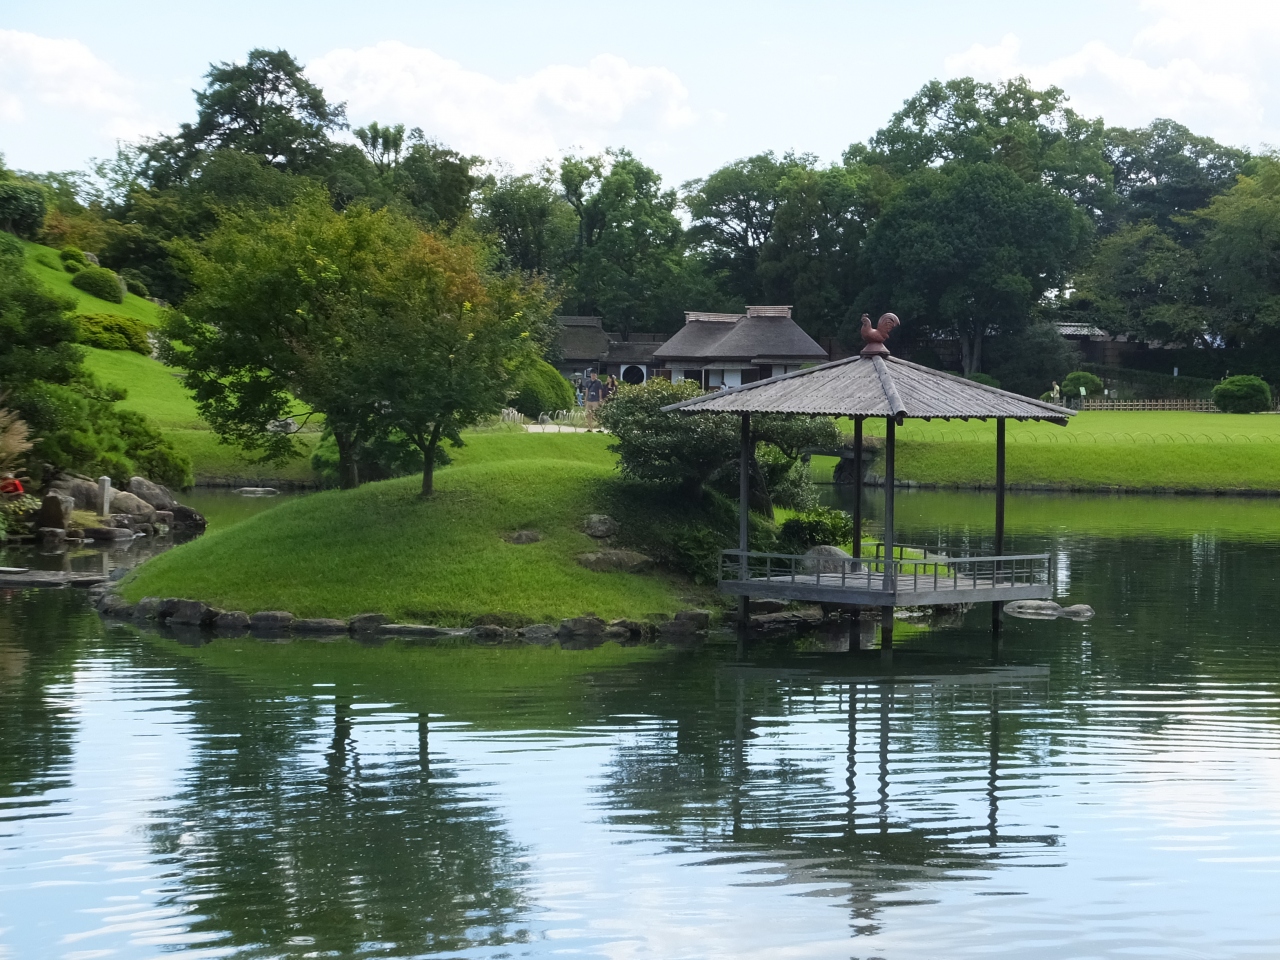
(443, 560)
(1097, 449)
(463, 680)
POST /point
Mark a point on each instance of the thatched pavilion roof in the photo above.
(875, 386)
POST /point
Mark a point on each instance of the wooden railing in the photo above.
(875, 574)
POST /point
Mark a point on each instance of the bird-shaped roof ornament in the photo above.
(874, 337)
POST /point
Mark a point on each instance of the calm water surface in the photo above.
(1109, 789)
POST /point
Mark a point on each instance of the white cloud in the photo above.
(40, 76)
(1210, 69)
(522, 121)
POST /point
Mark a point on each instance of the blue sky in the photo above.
(687, 86)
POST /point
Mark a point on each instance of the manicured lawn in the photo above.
(1097, 449)
(157, 391)
(44, 264)
(154, 389)
(381, 548)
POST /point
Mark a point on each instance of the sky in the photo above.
(687, 86)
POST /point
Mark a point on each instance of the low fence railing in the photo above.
(877, 574)
(1193, 406)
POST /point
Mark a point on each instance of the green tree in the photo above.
(733, 211)
(439, 350)
(629, 262)
(278, 297)
(534, 223)
(1142, 282)
(1163, 173)
(970, 250)
(1030, 132)
(1241, 249)
(265, 107)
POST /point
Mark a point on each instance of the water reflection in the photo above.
(1106, 789)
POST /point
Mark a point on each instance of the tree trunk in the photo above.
(761, 502)
(971, 351)
(429, 461)
(348, 466)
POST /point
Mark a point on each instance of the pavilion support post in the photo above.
(999, 551)
(890, 580)
(744, 513)
(857, 491)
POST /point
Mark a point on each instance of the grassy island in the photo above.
(381, 548)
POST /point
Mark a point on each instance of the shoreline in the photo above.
(1246, 493)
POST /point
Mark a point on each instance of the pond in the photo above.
(1099, 789)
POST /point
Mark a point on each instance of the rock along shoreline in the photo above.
(193, 615)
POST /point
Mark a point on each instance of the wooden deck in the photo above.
(874, 582)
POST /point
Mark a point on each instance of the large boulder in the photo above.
(581, 627)
(82, 491)
(271, 620)
(539, 633)
(600, 526)
(615, 561)
(826, 559)
(184, 516)
(124, 502)
(192, 613)
(319, 625)
(107, 533)
(156, 494)
(368, 622)
(55, 511)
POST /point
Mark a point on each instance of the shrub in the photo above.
(107, 332)
(99, 282)
(70, 254)
(134, 283)
(1242, 394)
(985, 380)
(541, 389)
(73, 266)
(821, 525)
(1074, 381)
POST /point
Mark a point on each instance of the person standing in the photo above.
(593, 395)
(610, 387)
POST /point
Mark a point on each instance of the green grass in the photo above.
(381, 548)
(1096, 450)
(1093, 515)
(156, 390)
(44, 264)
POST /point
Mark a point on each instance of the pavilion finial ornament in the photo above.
(874, 337)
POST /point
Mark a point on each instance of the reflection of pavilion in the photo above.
(877, 385)
(856, 841)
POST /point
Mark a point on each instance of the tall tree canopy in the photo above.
(969, 250)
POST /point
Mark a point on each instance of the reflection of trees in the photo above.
(710, 779)
(293, 839)
(39, 634)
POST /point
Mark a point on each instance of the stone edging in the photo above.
(192, 614)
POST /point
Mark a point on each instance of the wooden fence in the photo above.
(1197, 406)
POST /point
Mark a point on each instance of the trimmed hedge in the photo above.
(99, 282)
(1072, 383)
(541, 389)
(70, 254)
(108, 332)
(1242, 394)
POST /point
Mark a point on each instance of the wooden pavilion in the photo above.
(876, 384)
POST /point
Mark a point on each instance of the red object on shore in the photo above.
(11, 487)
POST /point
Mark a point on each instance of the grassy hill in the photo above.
(381, 548)
(157, 391)
(44, 264)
